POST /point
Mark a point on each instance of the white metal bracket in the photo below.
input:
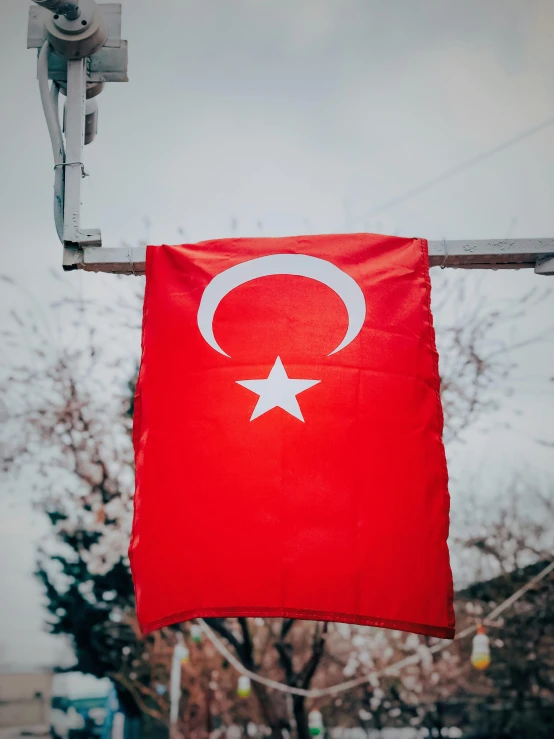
(545, 266)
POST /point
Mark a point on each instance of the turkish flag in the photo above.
(288, 435)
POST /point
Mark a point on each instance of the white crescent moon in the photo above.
(299, 265)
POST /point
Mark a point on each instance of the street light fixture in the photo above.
(75, 30)
(70, 10)
(80, 49)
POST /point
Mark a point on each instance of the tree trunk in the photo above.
(268, 710)
(300, 716)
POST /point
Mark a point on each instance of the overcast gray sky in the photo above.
(292, 116)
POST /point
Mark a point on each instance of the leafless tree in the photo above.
(68, 406)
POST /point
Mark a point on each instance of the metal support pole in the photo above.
(75, 139)
(180, 655)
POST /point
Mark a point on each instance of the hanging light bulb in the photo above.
(195, 633)
(315, 723)
(243, 689)
(481, 651)
(181, 653)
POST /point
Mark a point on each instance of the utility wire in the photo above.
(389, 670)
(399, 199)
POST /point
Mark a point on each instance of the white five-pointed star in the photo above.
(278, 391)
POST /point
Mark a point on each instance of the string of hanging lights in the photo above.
(480, 657)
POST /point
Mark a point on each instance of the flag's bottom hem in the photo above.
(442, 632)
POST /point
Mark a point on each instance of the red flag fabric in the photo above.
(288, 435)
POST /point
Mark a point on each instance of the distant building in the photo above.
(24, 697)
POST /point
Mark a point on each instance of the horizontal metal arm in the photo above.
(497, 254)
